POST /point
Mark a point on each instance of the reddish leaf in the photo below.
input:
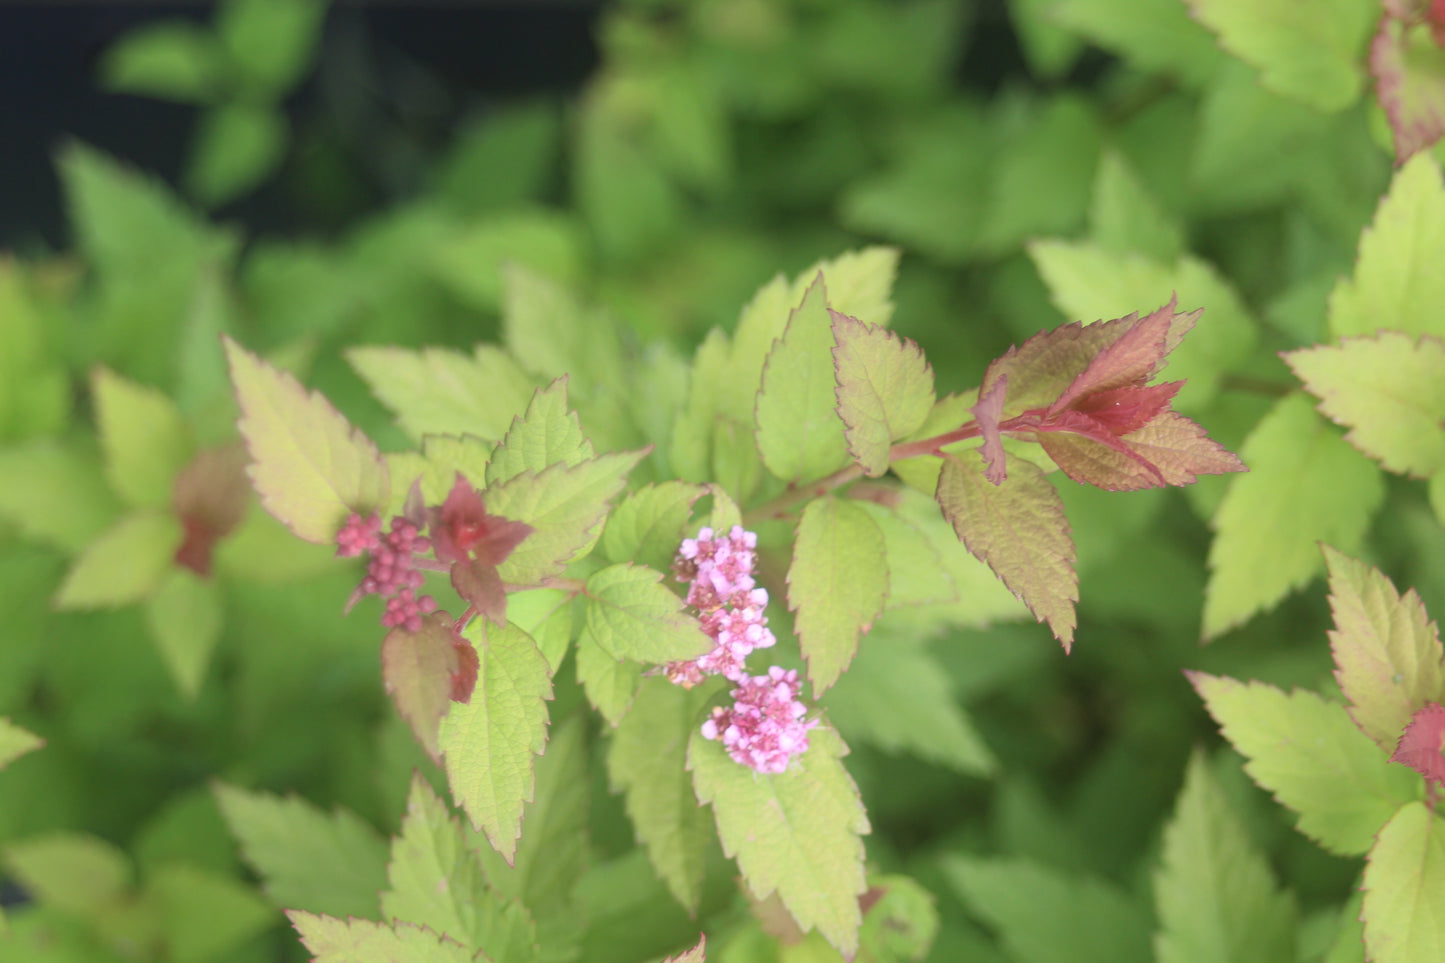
(210, 498)
(988, 412)
(481, 586)
(1120, 411)
(1422, 745)
(464, 678)
(1169, 450)
(1134, 357)
(1409, 70)
(418, 670)
(462, 528)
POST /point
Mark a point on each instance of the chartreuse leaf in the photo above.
(1404, 877)
(1124, 219)
(917, 574)
(1311, 52)
(34, 388)
(436, 467)
(307, 859)
(885, 389)
(1019, 530)
(125, 564)
(1388, 659)
(631, 614)
(796, 833)
(144, 438)
(489, 743)
(470, 261)
(647, 527)
(436, 881)
(310, 467)
(332, 940)
(546, 435)
(205, 913)
(837, 584)
(1389, 390)
(647, 763)
(898, 698)
(799, 433)
(565, 505)
(545, 615)
(1397, 283)
(610, 682)
(1088, 920)
(56, 493)
(859, 283)
(74, 872)
(439, 391)
(16, 742)
(694, 426)
(1311, 757)
(184, 616)
(1214, 894)
(552, 335)
(737, 371)
(1305, 486)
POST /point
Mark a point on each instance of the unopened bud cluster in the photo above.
(391, 571)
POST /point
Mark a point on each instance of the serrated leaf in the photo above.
(441, 458)
(799, 433)
(547, 434)
(307, 859)
(1311, 757)
(74, 872)
(735, 372)
(124, 565)
(1396, 283)
(143, 436)
(899, 699)
(436, 881)
(184, 616)
(610, 682)
(796, 833)
(1310, 52)
(1409, 70)
(545, 615)
(417, 669)
(55, 493)
(647, 526)
(1404, 876)
(860, 283)
(885, 389)
(489, 744)
(631, 614)
(565, 505)
(698, 954)
(1389, 391)
(917, 574)
(837, 584)
(1088, 920)
(310, 467)
(1124, 219)
(1306, 485)
(647, 763)
(1215, 896)
(439, 391)
(1387, 652)
(333, 940)
(16, 742)
(204, 913)
(1019, 530)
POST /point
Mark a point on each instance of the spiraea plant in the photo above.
(659, 521)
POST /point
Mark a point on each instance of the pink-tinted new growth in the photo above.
(730, 608)
(764, 728)
(475, 542)
(391, 571)
(1422, 745)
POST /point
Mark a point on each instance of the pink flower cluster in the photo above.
(764, 727)
(392, 571)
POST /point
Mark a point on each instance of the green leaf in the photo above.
(1045, 916)
(837, 584)
(489, 743)
(237, 147)
(1305, 486)
(899, 698)
(796, 833)
(170, 59)
(332, 940)
(1156, 35)
(1311, 52)
(436, 467)
(1216, 899)
(438, 391)
(694, 426)
(16, 742)
(917, 574)
(124, 565)
(609, 681)
(1396, 283)
(1124, 219)
(547, 434)
(629, 201)
(1019, 530)
(1408, 66)
(1404, 876)
(1389, 391)
(799, 433)
(647, 762)
(885, 389)
(73, 872)
(205, 913)
(1311, 757)
(859, 283)
(551, 334)
(307, 859)
(416, 671)
(545, 615)
(184, 616)
(310, 467)
(34, 389)
(56, 493)
(436, 881)
(632, 615)
(565, 505)
(647, 527)
(1387, 652)
(144, 438)
(271, 42)
(471, 261)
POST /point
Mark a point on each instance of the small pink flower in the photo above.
(764, 729)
